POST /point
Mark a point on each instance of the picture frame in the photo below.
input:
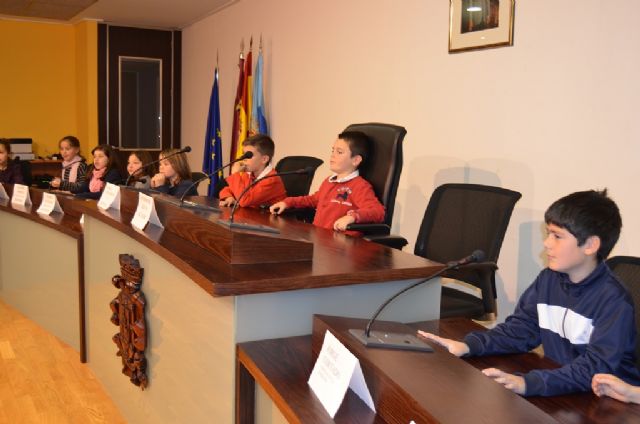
(480, 24)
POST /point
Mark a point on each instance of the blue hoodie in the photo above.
(586, 327)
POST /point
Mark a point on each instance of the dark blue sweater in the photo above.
(586, 327)
(179, 189)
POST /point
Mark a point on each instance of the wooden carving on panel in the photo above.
(128, 312)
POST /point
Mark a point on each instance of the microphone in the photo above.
(246, 155)
(307, 170)
(476, 256)
(408, 341)
(185, 149)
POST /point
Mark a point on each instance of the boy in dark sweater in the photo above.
(576, 308)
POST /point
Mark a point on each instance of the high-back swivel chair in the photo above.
(627, 269)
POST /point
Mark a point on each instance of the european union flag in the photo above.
(213, 141)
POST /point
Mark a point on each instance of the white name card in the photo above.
(145, 213)
(49, 204)
(21, 195)
(110, 197)
(335, 371)
(3, 193)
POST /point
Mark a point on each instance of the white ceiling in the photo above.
(166, 14)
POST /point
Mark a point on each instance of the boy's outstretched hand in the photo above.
(612, 386)
(278, 208)
(229, 201)
(515, 383)
(341, 223)
(454, 347)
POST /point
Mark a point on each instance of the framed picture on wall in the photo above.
(480, 24)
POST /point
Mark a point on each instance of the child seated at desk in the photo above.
(74, 168)
(264, 192)
(174, 177)
(10, 172)
(139, 176)
(345, 197)
(103, 170)
(576, 308)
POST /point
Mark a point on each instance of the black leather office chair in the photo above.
(382, 169)
(25, 170)
(459, 219)
(195, 176)
(297, 185)
(627, 269)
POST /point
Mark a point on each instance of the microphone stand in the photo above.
(265, 228)
(403, 341)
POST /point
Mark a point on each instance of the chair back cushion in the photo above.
(384, 165)
(461, 218)
(627, 269)
(297, 185)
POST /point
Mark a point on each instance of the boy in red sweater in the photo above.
(344, 197)
(259, 166)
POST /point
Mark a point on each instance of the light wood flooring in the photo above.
(42, 379)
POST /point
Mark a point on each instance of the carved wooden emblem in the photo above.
(128, 312)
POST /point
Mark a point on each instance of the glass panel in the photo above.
(140, 103)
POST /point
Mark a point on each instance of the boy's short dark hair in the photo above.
(263, 144)
(585, 214)
(358, 144)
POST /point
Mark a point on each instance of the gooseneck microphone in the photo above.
(246, 155)
(408, 341)
(307, 171)
(264, 228)
(185, 149)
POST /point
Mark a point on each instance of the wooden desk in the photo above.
(426, 387)
(41, 266)
(199, 306)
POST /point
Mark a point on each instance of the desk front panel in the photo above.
(39, 275)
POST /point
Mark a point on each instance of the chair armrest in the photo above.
(373, 229)
(395, 242)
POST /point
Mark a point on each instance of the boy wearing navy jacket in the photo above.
(576, 308)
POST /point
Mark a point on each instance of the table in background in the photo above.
(46, 167)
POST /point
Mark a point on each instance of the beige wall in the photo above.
(555, 113)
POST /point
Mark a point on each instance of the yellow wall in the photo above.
(48, 82)
(87, 84)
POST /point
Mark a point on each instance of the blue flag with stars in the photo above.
(213, 141)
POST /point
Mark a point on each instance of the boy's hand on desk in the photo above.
(278, 208)
(229, 201)
(454, 347)
(341, 223)
(515, 383)
(612, 386)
